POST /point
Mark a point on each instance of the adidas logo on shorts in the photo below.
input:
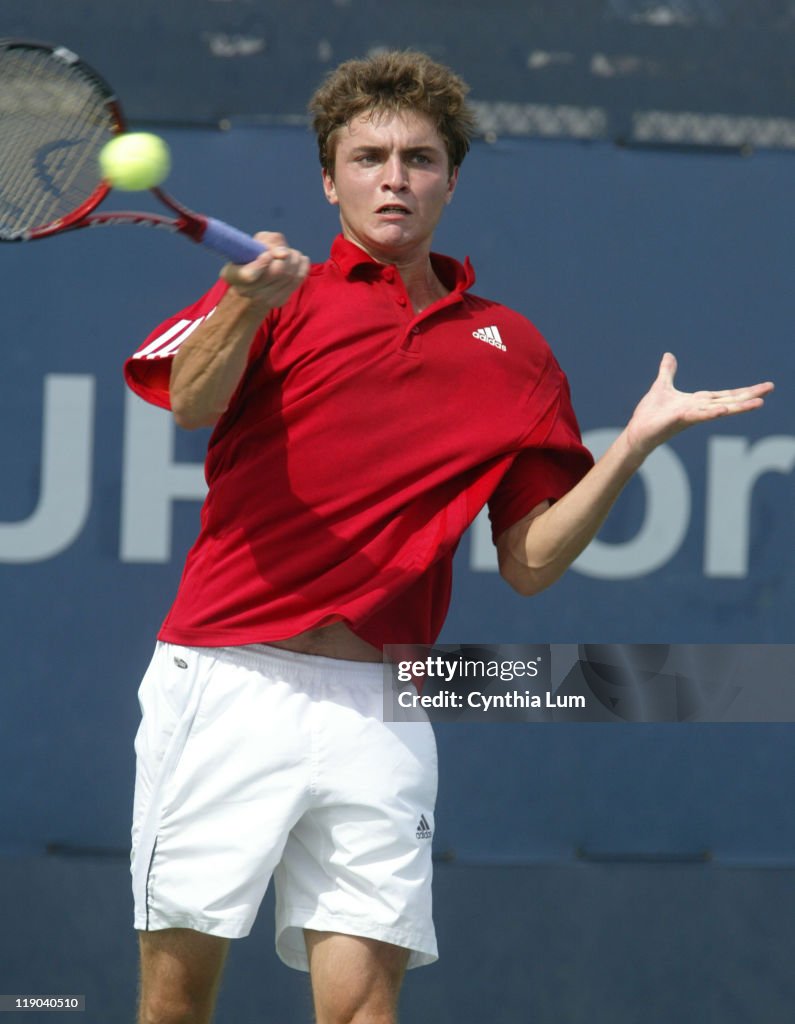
(424, 829)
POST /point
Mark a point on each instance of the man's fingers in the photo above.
(709, 404)
(271, 239)
(712, 405)
(278, 267)
(740, 394)
(740, 404)
(718, 403)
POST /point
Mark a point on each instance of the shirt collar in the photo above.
(458, 277)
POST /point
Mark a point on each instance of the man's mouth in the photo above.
(393, 208)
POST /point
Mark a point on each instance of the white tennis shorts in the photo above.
(252, 762)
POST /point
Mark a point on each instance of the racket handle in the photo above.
(228, 241)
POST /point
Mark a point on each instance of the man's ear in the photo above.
(328, 187)
(451, 184)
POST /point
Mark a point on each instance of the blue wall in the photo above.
(617, 255)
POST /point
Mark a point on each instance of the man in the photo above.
(339, 485)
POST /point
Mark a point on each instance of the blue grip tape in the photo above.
(228, 241)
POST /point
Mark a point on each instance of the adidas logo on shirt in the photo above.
(490, 335)
(424, 829)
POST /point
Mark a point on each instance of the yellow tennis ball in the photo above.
(135, 161)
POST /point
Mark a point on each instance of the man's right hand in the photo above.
(272, 277)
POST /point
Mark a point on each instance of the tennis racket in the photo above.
(56, 114)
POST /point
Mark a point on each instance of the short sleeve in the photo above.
(543, 471)
(148, 370)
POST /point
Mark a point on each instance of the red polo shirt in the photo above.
(361, 443)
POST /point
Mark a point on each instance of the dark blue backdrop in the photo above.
(584, 872)
(616, 255)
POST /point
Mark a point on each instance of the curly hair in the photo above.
(393, 82)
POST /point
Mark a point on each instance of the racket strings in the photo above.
(50, 148)
(53, 122)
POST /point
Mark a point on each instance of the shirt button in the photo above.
(389, 275)
(401, 300)
(415, 330)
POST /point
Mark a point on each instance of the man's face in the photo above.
(391, 181)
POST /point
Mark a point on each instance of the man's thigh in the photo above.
(221, 777)
(180, 973)
(354, 978)
(360, 862)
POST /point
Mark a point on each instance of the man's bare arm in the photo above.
(537, 550)
(209, 364)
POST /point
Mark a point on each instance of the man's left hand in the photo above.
(664, 411)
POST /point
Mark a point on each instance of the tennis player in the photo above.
(364, 411)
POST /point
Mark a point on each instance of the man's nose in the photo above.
(395, 176)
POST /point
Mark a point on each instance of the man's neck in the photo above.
(422, 284)
(419, 278)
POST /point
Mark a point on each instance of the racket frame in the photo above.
(186, 222)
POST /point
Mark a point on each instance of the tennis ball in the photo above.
(135, 161)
